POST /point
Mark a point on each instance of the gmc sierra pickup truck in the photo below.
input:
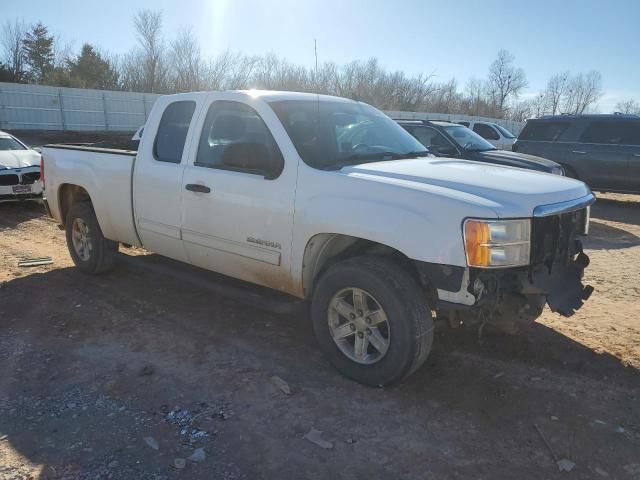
(330, 201)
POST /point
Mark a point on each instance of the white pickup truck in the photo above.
(329, 200)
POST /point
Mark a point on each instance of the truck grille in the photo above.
(553, 238)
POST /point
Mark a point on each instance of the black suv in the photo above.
(601, 150)
(446, 139)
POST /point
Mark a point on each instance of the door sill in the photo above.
(247, 293)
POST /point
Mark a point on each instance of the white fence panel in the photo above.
(37, 107)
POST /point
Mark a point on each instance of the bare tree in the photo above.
(583, 92)
(628, 106)
(505, 81)
(13, 34)
(187, 66)
(557, 87)
(148, 25)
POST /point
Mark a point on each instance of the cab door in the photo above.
(157, 188)
(238, 195)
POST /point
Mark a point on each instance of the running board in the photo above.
(244, 292)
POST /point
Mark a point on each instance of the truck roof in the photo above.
(274, 95)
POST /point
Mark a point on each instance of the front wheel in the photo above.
(372, 320)
(90, 251)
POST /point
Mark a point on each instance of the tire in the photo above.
(98, 254)
(408, 331)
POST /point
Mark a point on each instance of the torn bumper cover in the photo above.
(563, 287)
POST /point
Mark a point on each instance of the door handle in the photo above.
(579, 152)
(636, 154)
(195, 187)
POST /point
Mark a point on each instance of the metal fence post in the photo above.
(64, 127)
(144, 106)
(104, 108)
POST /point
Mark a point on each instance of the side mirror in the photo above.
(254, 158)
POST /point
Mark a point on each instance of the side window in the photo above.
(485, 131)
(609, 132)
(632, 136)
(234, 137)
(429, 137)
(172, 131)
(545, 131)
(433, 140)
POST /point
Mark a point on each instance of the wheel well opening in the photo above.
(70, 194)
(327, 249)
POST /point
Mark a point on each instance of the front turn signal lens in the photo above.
(497, 243)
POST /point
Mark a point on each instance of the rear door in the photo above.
(237, 219)
(158, 178)
(601, 154)
(632, 139)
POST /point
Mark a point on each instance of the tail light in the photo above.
(42, 171)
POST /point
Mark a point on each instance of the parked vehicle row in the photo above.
(19, 170)
(601, 150)
(446, 139)
(495, 134)
(332, 202)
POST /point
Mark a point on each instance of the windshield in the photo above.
(505, 133)
(9, 143)
(331, 134)
(468, 139)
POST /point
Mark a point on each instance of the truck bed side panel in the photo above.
(105, 175)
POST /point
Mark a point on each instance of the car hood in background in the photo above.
(509, 192)
(514, 159)
(19, 159)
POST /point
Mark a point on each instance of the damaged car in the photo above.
(19, 170)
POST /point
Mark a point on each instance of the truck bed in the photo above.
(104, 173)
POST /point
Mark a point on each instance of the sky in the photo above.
(448, 39)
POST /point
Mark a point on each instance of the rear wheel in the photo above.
(371, 320)
(90, 251)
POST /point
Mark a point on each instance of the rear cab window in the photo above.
(172, 131)
(544, 131)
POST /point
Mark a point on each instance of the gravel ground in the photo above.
(134, 375)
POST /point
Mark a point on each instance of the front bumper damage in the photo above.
(511, 297)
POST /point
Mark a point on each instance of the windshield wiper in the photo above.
(358, 158)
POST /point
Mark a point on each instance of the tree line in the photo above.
(32, 54)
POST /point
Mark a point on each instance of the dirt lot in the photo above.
(97, 373)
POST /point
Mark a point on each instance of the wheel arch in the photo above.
(69, 194)
(325, 249)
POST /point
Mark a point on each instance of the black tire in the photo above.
(409, 317)
(101, 255)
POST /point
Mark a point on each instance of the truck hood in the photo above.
(514, 159)
(508, 191)
(10, 159)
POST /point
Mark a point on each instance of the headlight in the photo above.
(557, 171)
(497, 243)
